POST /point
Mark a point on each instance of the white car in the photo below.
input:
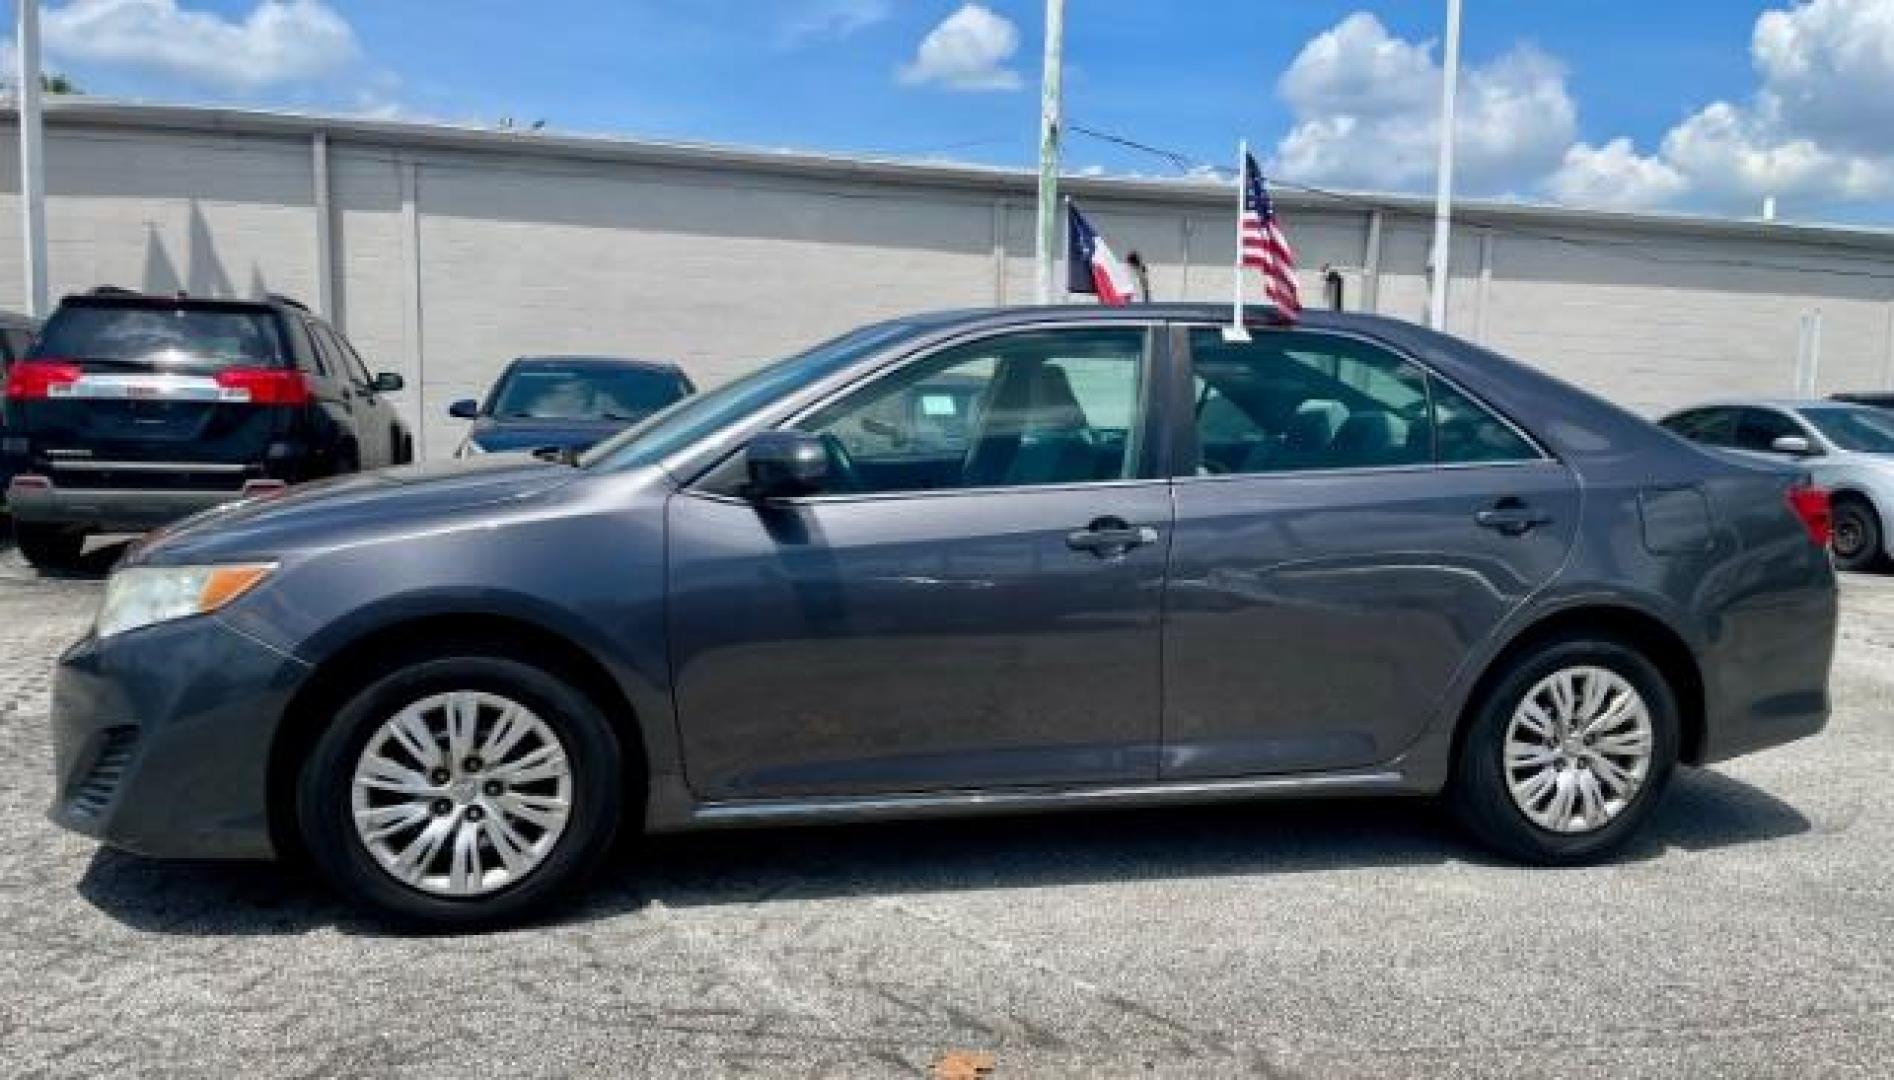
(1847, 449)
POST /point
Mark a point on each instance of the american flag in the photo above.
(1264, 245)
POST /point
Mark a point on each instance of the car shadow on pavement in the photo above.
(1703, 811)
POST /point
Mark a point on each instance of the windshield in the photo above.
(702, 414)
(1862, 430)
(583, 392)
(200, 337)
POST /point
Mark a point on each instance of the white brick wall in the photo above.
(507, 251)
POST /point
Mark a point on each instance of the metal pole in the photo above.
(1443, 196)
(32, 160)
(1046, 250)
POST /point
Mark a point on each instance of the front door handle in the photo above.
(1108, 537)
(1512, 517)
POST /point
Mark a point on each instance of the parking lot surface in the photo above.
(1751, 934)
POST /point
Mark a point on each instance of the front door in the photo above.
(973, 603)
(1352, 527)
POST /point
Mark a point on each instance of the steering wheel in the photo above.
(841, 463)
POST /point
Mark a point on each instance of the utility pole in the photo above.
(1443, 194)
(32, 163)
(1046, 248)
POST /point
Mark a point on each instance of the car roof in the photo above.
(621, 362)
(1761, 403)
(107, 296)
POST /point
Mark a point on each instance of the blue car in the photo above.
(558, 406)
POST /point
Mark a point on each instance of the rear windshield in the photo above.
(583, 392)
(194, 337)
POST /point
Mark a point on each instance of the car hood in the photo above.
(498, 436)
(334, 511)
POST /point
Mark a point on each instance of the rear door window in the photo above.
(164, 336)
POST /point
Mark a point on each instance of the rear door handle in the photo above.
(1110, 536)
(1510, 517)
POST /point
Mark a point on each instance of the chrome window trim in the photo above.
(935, 493)
(1426, 369)
(91, 465)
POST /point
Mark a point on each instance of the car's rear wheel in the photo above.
(50, 547)
(1567, 753)
(462, 790)
(1856, 539)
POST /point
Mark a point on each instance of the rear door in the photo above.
(368, 416)
(134, 386)
(1349, 527)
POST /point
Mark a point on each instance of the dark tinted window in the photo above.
(1467, 433)
(1715, 427)
(1044, 407)
(582, 391)
(351, 359)
(1758, 428)
(1289, 402)
(163, 335)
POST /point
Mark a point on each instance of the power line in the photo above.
(1631, 249)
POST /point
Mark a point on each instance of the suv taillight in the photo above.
(265, 386)
(34, 380)
(1810, 504)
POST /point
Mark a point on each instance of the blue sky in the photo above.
(1695, 105)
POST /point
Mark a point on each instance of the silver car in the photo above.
(1847, 449)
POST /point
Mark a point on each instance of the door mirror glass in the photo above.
(1791, 444)
(388, 382)
(464, 410)
(784, 464)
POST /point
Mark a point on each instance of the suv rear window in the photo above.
(164, 335)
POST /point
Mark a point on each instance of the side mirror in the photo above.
(783, 464)
(1792, 444)
(388, 382)
(467, 409)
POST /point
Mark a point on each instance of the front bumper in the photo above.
(162, 739)
(112, 509)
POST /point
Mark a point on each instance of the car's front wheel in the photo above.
(1856, 539)
(461, 790)
(1567, 753)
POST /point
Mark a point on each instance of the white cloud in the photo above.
(1819, 129)
(969, 50)
(831, 20)
(1614, 176)
(279, 42)
(1368, 115)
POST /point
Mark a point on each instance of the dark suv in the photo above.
(131, 411)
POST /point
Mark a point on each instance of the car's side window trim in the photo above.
(1149, 445)
(1185, 446)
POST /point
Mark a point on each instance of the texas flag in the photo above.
(1090, 267)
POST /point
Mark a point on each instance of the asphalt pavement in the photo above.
(1750, 934)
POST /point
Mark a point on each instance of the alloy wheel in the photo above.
(1578, 749)
(461, 794)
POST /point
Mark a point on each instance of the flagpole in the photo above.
(1235, 331)
(1443, 194)
(1050, 108)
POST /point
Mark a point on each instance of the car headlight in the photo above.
(144, 595)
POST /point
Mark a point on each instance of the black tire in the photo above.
(1857, 534)
(50, 547)
(1479, 794)
(591, 748)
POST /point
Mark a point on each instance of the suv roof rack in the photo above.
(290, 300)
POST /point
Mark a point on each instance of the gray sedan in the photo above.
(988, 561)
(1847, 449)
